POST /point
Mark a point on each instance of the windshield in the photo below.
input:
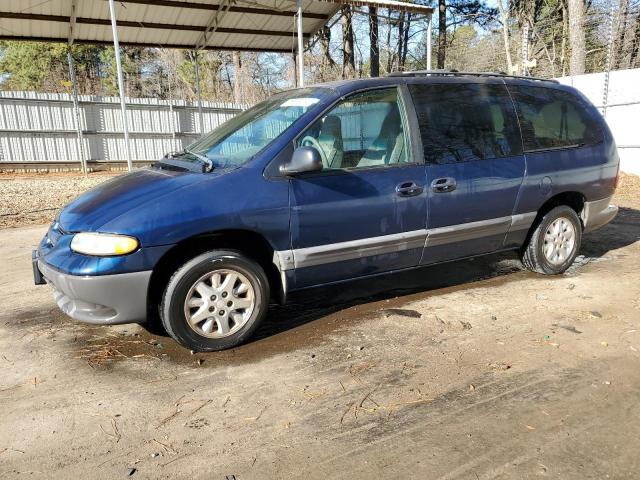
(236, 141)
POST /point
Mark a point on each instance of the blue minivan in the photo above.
(329, 183)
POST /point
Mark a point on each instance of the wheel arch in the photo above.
(573, 199)
(250, 243)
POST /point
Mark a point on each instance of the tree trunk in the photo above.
(622, 32)
(237, 79)
(635, 44)
(563, 45)
(389, 54)
(576, 37)
(442, 32)
(325, 42)
(374, 49)
(400, 39)
(403, 59)
(505, 35)
(348, 59)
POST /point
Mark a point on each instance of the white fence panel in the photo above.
(622, 110)
(40, 127)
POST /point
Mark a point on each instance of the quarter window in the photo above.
(365, 130)
(465, 122)
(551, 118)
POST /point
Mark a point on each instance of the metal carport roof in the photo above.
(251, 25)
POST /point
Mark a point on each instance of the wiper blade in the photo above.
(203, 158)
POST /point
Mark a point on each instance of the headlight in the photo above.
(103, 244)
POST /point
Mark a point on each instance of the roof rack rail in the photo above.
(455, 73)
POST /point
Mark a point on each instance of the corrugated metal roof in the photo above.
(260, 25)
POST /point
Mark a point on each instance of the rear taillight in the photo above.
(615, 182)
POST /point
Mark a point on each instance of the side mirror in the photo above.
(303, 160)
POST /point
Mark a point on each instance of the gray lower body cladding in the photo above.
(598, 213)
(102, 299)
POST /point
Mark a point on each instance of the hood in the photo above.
(113, 198)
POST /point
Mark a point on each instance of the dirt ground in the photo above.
(30, 199)
(470, 370)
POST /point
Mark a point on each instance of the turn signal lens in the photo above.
(103, 244)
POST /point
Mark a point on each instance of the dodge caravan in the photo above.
(330, 183)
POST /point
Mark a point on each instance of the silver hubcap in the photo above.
(559, 241)
(219, 303)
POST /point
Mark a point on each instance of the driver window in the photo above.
(365, 130)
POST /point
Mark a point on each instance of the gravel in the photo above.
(35, 199)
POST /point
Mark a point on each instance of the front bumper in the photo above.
(598, 213)
(102, 299)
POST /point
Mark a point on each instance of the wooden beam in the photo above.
(213, 7)
(130, 24)
(178, 46)
(213, 24)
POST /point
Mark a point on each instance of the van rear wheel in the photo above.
(215, 301)
(554, 243)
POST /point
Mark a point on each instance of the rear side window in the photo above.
(465, 122)
(551, 118)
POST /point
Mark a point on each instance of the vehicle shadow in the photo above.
(623, 231)
(313, 304)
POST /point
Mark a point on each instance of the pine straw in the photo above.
(628, 187)
(103, 349)
(35, 199)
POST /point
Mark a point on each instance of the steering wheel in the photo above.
(310, 141)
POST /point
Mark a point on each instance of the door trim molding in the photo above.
(468, 231)
(398, 242)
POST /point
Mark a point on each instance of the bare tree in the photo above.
(388, 47)
(635, 44)
(442, 32)
(576, 37)
(618, 51)
(237, 78)
(325, 43)
(401, 26)
(349, 59)
(405, 50)
(374, 47)
(504, 14)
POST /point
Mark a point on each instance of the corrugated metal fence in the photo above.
(40, 127)
(618, 98)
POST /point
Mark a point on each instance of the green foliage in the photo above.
(42, 66)
(26, 65)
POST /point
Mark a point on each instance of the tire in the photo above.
(549, 250)
(220, 285)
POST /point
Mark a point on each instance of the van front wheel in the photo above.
(215, 301)
(554, 243)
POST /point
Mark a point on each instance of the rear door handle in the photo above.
(444, 184)
(408, 189)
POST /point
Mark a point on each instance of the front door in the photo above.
(365, 212)
(473, 152)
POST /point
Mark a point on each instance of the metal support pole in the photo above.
(171, 119)
(429, 40)
(197, 65)
(300, 46)
(607, 73)
(123, 104)
(525, 49)
(76, 110)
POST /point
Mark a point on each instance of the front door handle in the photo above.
(444, 184)
(408, 189)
